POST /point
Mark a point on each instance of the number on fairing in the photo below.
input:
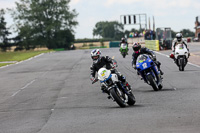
(144, 65)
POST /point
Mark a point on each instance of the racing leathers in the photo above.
(123, 42)
(105, 61)
(175, 42)
(120, 46)
(145, 51)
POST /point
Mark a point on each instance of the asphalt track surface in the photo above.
(53, 94)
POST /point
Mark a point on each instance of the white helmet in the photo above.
(179, 36)
(95, 55)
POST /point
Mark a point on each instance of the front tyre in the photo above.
(131, 99)
(181, 64)
(118, 97)
(124, 55)
(152, 82)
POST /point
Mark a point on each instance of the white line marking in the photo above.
(168, 57)
(194, 65)
(161, 54)
(23, 88)
(16, 93)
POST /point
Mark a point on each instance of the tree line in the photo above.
(115, 30)
(48, 23)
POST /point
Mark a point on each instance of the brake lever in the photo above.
(94, 81)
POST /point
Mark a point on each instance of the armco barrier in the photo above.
(152, 44)
(114, 44)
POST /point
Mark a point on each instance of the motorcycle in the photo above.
(124, 49)
(181, 56)
(149, 71)
(123, 96)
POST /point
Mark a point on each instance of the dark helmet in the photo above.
(123, 40)
(179, 37)
(95, 55)
(136, 47)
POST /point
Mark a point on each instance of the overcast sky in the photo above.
(177, 14)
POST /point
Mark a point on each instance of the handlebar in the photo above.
(94, 81)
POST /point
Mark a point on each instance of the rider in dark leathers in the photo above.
(103, 61)
(138, 50)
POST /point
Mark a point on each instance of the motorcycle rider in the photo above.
(138, 50)
(101, 61)
(123, 40)
(178, 40)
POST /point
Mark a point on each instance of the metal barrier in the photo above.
(114, 44)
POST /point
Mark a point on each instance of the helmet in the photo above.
(179, 37)
(136, 47)
(123, 40)
(95, 55)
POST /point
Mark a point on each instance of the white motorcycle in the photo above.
(114, 87)
(181, 56)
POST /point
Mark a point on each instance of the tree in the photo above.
(4, 33)
(187, 33)
(107, 29)
(45, 22)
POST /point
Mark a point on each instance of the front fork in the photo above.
(124, 94)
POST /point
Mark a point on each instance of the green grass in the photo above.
(59, 49)
(19, 56)
(4, 64)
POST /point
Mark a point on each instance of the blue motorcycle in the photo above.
(149, 71)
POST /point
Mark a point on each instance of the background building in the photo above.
(197, 27)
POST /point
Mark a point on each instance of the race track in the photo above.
(53, 94)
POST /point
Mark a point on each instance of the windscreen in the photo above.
(141, 58)
(181, 46)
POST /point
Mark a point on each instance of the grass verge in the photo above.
(4, 64)
(19, 56)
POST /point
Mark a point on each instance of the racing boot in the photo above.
(158, 64)
(188, 53)
(128, 87)
(161, 72)
(104, 90)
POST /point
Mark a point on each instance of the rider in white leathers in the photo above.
(178, 40)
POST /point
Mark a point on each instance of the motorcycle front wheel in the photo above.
(152, 82)
(120, 100)
(124, 55)
(181, 64)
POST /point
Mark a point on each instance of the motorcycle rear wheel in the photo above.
(131, 99)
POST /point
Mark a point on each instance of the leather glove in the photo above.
(92, 79)
(154, 58)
